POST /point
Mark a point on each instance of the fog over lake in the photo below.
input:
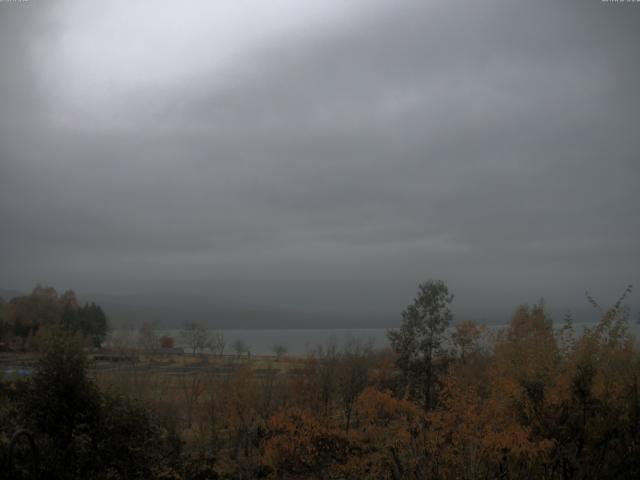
(307, 341)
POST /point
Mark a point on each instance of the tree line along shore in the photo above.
(447, 400)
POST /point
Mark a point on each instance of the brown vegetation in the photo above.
(528, 401)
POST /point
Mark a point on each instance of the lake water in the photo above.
(303, 341)
(297, 342)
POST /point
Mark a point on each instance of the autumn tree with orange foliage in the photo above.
(301, 445)
(532, 401)
(389, 443)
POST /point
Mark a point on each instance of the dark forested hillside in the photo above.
(26, 320)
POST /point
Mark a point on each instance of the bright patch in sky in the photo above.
(102, 56)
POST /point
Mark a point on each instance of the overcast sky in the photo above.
(322, 154)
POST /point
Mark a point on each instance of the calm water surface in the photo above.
(303, 341)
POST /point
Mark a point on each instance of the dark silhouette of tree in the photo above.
(195, 336)
(279, 350)
(23, 316)
(82, 433)
(148, 336)
(419, 339)
(217, 343)
(240, 347)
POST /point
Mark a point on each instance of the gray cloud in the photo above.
(491, 144)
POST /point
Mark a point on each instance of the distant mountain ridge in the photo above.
(171, 310)
(7, 295)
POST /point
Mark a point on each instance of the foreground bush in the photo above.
(81, 433)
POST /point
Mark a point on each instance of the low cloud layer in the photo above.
(322, 157)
